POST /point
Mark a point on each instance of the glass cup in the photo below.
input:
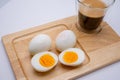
(91, 14)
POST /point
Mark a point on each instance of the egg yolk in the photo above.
(70, 57)
(47, 60)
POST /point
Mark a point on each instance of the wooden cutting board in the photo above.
(101, 49)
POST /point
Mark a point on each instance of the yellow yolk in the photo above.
(47, 60)
(70, 57)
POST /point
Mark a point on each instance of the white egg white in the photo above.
(79, 52)
(66, 39)
(36, 64)
(39, 43)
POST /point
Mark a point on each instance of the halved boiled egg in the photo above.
(72, 57)
(44, 61)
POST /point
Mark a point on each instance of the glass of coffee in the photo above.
(91, 14)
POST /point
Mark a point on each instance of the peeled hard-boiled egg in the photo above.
(66, 39)
(44, 61)
(40, 43)
(72, 57)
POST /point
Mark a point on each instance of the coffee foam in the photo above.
(92, 8)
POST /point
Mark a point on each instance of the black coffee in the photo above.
(90, 18)
(89, 23)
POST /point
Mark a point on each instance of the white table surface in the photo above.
(17, 15)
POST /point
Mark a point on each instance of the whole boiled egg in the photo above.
(66, 39)
(39, 43)
(72, 57)
(44, 61)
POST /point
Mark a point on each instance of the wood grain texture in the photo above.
(101, 49)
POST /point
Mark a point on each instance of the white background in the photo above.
(16, 15)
